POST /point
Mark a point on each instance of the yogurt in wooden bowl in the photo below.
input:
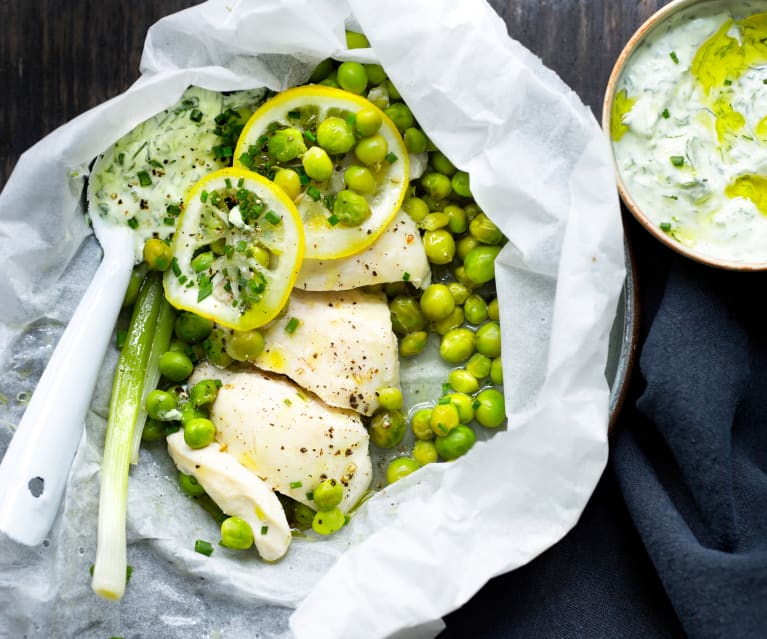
(686, 112)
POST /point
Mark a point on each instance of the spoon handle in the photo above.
(34, 470)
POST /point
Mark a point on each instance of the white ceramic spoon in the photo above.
(35, 468)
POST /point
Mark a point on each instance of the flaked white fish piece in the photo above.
(397, 255)
(343, 348)
(237, 491)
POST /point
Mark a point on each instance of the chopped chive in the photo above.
(229, 250)
(195, 115)
(203, 547)
(313, 192)
(272, 218)
(310, 136)
(666, 114)
(133, 222)
(295, 484)
(144, 179)
(446, 388)
(303, 178)
(121, 156)
(240, 182)
(205, 287)
(333, 220)
(310, 495)
(476, 404)
(665, 226)
(155, 164)
(173, 209)
(292, 325)
(728, 83)
(169, 221)
(175, 267)
(120, 339)
(391, 158)
(406, 277)
(351, 119)
(442, 428)
(677, 160)
(294, 115)
(674, 57)
(264, 530)
(228, 183)
(182, 279)
(204, 196)
(287, 402)
(444, 401)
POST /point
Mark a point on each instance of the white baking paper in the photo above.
(539, 167)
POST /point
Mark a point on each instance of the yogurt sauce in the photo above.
(689, 129)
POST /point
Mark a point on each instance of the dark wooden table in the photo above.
(58, 58)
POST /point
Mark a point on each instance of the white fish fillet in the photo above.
(237, 491)
(398, 254)
(288, 438)
(343, 350)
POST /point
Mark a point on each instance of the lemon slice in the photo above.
(237, 250)
(286, 132)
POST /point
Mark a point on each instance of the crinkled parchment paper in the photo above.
(539, 167)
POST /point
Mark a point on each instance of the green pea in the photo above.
(328, 494)
(472, 210)
(356, 40)
(352, 77)
(460, 275)
(457, 220)
(351, 208)
(490, 409)
(437, 302)
(215, 348)
(444, 418)
(460, 292)
(326, 522)
(335, 135)
(244, 346)
(134, 285)
(330, 81)
(204, 393)
(463, 381)
(484, 230)
(437, 185)
(454, 320)
(434, 221)
(412, 344)
(236, 533)
(175, 366)
(322, 70)
(425, 452)
(317, 164)
(394, 94)
(202, 261)
(488, 339)
(492, 309)
(390, 397)
(367, 121)
(441, 164)
(415, 140)
(154, 430)
(289, 181)
(387, 428)
(496, 372)
(376, 73)
(302, 515)
(416, 208)
(464, 404)
(421, 424)
(260, 254)
(360, 179)
(439, 246)
(479, 264)
(199, 432)
(286, 145)
(475, 309)
(456, 443)
(479, 365)
(401, 115)
(161, 405)
(465, 245)
(457, 345)
(371, 150)
(460, 184)
(400, 467)
(157, 254)
(192, 328)
(406, 315)
(218, 246)
(189, 485)
(189, 412)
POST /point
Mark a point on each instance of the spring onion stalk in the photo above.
(127, 393)
(160, 344)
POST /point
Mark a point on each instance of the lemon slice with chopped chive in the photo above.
(340, 159)
(237, 250)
